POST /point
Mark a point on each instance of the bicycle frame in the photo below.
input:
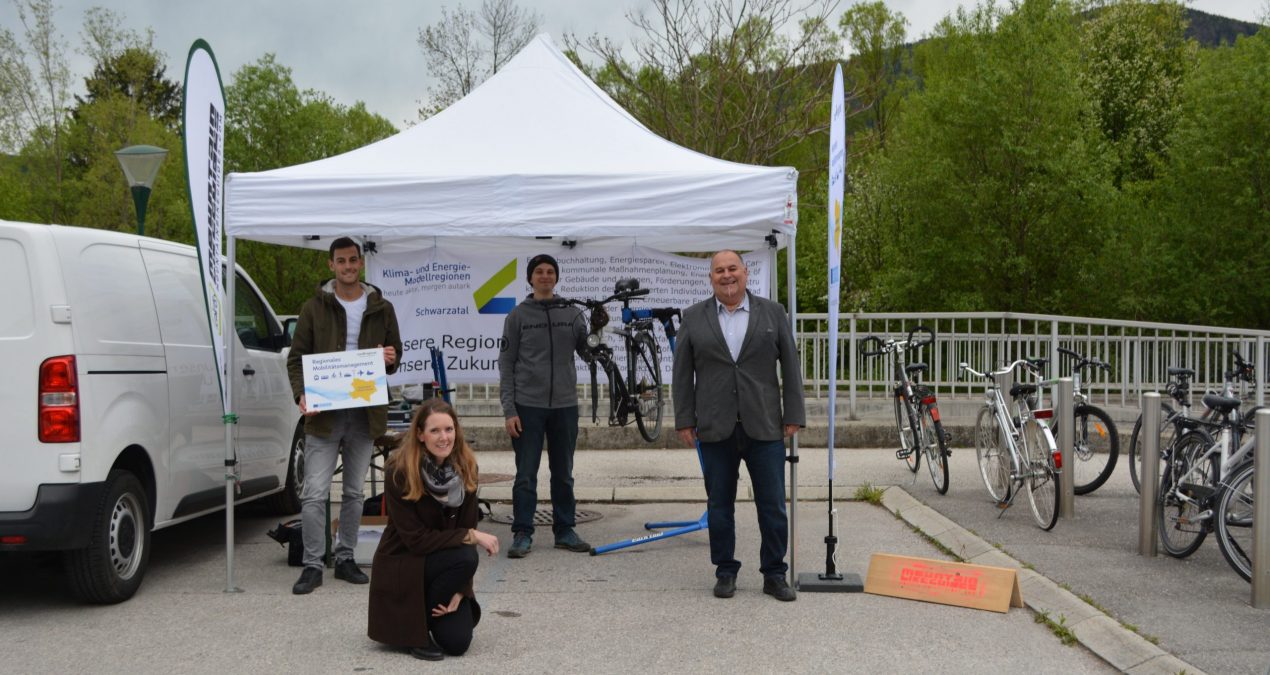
(637, 323)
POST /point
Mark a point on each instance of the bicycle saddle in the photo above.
(1021, 388)
(1184, 372)
(1222, 404)
(915, 368)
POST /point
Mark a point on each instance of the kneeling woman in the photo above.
(421, 580)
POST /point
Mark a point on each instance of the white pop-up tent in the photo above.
(536, 151)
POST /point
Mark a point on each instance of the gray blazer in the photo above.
(712, 392)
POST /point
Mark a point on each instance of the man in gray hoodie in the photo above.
(538, 388)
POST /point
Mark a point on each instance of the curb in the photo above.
(1099, 633)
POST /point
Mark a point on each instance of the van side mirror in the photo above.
(288, 330)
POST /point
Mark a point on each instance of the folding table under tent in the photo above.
(537, 151)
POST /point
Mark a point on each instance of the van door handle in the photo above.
(249, 371)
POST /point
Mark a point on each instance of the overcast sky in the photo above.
(368, 50)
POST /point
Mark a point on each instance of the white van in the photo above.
(111, 417)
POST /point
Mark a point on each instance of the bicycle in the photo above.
(916, 409)
(1015, 448)
(639, 393)
(1195, 471)
(1172, 420)
(1090, 450)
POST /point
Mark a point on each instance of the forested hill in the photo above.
(1210, 30)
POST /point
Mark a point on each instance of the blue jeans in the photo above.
(765, 461)
(559, 426)
(351, 430)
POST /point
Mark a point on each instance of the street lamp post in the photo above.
(140, 164)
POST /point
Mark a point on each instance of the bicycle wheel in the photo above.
(909, 439)
(1167, 435)
(645, 386)
(936, 449)
(1040, 480)
(994, 458)
(1094, 450)
(1185, 493)
(1234, 521)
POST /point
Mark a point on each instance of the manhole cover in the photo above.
(542, 517)
(486, 478)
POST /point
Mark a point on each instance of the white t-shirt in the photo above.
(353, 310)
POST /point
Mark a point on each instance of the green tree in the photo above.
(34, 94)
(992, 192)
(139, 75)
(1135, 58)
(97, 194)
(1208, 245)
(875, 36)
(271, 123)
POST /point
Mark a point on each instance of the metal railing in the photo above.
(1139, 352)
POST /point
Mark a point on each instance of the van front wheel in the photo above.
(287, 501)
(111, 567)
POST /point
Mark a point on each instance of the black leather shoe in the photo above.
(310, 579)
(778, 588)
(725, 587)
(350, 572)
(428, 652)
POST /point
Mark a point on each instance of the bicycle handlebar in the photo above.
(965, 367)
(889, 345)
(877, 352)
(1243, 369)
(914, 342)
(1082, 361)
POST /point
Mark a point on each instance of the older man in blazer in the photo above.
(728, 397)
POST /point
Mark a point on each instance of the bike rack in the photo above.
(1261, 513)
(1149, 475)
(438, 372)
(1064, 411)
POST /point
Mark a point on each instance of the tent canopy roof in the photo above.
(538, 150)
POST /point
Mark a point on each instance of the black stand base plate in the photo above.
(813, 582)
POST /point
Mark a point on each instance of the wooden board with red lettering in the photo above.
(948, 583)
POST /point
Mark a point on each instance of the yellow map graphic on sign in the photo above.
(363, 389)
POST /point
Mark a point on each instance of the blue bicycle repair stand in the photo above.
(438, 373)
(679, 527)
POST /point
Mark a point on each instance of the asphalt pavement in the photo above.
(649, 608)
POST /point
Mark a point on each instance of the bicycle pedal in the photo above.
(903, 453)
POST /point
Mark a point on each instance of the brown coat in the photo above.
(398, 612)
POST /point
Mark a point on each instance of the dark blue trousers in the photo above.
(765, 461)
(559, 426)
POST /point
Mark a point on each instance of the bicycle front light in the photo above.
(594, 340)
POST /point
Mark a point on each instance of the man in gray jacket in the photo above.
(538, 388)
(727, 396)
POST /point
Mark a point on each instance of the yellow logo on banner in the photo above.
(837, 224)
(363, 389)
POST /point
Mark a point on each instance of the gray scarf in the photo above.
(442, 482)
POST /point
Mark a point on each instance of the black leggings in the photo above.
(447, 572)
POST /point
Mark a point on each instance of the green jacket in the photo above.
(322, 328)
